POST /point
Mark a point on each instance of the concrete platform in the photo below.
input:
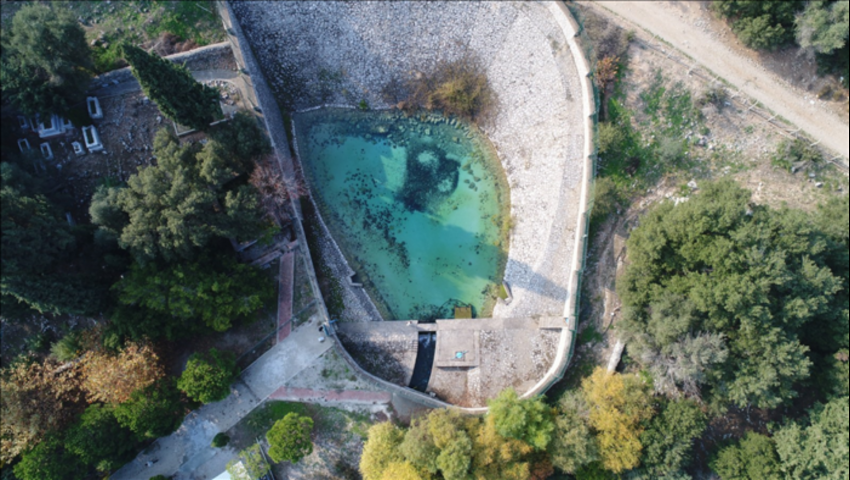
(475, 358)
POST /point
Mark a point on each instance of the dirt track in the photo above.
(671, 22)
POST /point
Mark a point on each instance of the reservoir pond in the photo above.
(419, 205)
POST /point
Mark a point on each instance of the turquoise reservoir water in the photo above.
(418, 205)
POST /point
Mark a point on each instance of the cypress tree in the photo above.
(171, 86)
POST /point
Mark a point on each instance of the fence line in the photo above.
(739, 100)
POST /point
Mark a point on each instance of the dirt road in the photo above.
(671, 23)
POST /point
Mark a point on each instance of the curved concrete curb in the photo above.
(571, 30)
(275, 127)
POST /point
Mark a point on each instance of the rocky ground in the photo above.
(316, 53)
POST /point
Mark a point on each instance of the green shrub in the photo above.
(254, 465)
(753, 458)
(67, 348)
(715, 95)
(670, 150)
(152, 412)
(99, 440)
(797, 153)
(220, 440)
(761, 25)
(290, 438)
(207, 378)
(609, 137)
(606, 200)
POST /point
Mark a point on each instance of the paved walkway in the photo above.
(187, 453)
(284, 298)
(331, 396)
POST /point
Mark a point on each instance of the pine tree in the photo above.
(45, 60)
(171, 86)
(172, 209)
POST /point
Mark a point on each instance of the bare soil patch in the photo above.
(688, 27)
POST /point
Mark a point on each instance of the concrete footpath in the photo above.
(187, 453)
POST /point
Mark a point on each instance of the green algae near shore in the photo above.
(419, 206)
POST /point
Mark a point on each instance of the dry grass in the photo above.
(459, 88)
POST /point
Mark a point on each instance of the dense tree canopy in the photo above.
(213, 291)
(45, 60)
(290, 438)
(618, 405)
(105, 211)
(35, 235)
(754, 457)
(171, 86)
(527, 420)
(573, 445)
(721, 293)
(37, 247)
(99, 440)
(445, 445)
(50, 461)
(34, 239)
(153, 411)
(814, 449)
(180, 205)
(820, 27)
(820, 449)
(669, 438)
(241, 139)
(401, 471)
(823, 26)
(207, 377)
(381, 450)
(761, 24)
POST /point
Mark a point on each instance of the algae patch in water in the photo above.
(418, 205)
